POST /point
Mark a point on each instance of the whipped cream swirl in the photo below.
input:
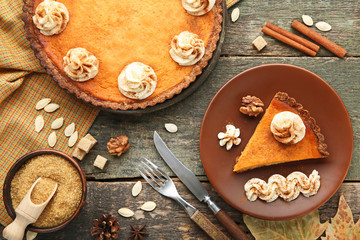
(287, 188)
(288, 127)
(230, 137)
(187, 49)
(80, 64)
(51, 17)
(198, 7)
(137, 81)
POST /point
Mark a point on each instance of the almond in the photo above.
(52, 107)
(52, 139)
(69, 130)
(39, 123)
(73, 138)
(57, 123)
(42, 103)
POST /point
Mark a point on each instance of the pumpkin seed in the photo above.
(39, 123)
(125, 212)
(52, 139)
(235, 14)
(148, 206)
(73, 138)
(57, 123)
(307, 20)
(69, 130)
(52, 107)
(42, 103)
(323, 26)
(30, 235)
(170, 127)
(136, 189)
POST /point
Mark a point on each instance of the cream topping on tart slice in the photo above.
(263, 149)
(288, 127)
(137, 81)
(198, 7)
(80, 64)
(51, 17)
(187, 48)
(287, 188)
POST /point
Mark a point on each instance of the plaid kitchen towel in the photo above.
(23, 82)
(229, 3)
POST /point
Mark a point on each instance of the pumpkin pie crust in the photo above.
(263, 149)
(118, 36)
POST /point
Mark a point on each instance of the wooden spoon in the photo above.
(26, 213)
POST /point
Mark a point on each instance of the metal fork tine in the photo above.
(152, 170)
(147, 179)
(167, 188)
(151, 163)
(164, 175)
(149, 174)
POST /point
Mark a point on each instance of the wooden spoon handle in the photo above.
(230, 226)
(16, 229)
(208, 226)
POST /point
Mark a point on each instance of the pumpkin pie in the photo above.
(268, 146)
(112, 41)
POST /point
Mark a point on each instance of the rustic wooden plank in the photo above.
(343, 16)
(342, 75)
(168, 220)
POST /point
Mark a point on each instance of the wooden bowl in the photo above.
(16, 166)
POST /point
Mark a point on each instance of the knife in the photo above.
(194, 185)
(163, 184)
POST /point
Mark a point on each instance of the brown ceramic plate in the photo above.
(264, 81)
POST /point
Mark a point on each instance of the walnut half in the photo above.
(251, 106)
(119, 145)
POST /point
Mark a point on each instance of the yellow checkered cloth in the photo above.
(229, 3)
(23, 82)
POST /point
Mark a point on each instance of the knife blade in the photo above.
(195, 186)
(185, 175)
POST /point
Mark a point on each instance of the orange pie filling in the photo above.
(276, 140)
(121, 32)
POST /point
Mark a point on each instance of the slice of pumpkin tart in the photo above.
(285, 133)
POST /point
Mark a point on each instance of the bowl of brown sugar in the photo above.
(53, 167)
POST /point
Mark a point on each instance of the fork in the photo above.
(162, 183)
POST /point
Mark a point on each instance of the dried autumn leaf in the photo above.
(342, 226)
(306, 227)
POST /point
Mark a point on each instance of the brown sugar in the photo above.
(42, 190)
(52, 168)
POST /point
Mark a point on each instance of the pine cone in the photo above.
(106, 228)
(119, 145)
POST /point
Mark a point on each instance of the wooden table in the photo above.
(110, 189)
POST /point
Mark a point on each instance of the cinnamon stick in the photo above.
(288, 41)
(294, 37)
(331, 46)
